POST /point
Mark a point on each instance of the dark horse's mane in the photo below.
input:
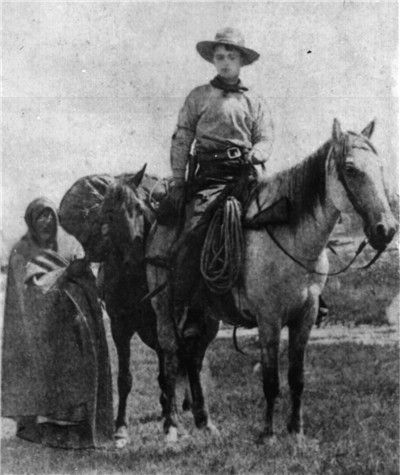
(304, 183)
(123, 192)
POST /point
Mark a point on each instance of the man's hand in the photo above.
(177, 194)
(255, 157)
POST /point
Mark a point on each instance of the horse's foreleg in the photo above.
(171, 367)
(122, 340)
(269, 339)
(298, 337)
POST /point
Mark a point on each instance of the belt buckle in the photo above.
(234, 152)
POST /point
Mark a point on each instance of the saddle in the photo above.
(222, 254)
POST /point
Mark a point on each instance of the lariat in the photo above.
(222, 254)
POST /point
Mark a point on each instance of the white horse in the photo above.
(282, 277)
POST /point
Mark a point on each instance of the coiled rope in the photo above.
(222, 253)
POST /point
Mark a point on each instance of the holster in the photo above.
(192, 168)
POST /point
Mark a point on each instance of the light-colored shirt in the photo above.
(216, 120)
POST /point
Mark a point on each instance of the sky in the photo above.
(91, 87)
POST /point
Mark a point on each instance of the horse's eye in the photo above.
(350, 169)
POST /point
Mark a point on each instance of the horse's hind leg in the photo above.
(298, 337)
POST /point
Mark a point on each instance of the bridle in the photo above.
(361, 247)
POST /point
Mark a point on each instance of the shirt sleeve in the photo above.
(183, 136)
(263, 131)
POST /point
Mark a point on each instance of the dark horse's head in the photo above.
(126, 214)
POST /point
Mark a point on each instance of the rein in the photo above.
(313, 271)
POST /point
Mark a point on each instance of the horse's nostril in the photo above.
(385, 232)
(381, 230)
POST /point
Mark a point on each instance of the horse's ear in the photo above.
(369, 129)
(337, 135)
(336, 131)
(137, 179)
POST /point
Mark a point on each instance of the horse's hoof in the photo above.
(121, 437)
(305, 443)
(272, 440)
(172, 435)
(257, 369)
(300, 439)
(295, 428)
(212, 430)
(266, 437)
(183, 434)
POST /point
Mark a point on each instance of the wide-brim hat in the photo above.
(227, 36)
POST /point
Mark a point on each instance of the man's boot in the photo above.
(186, 275)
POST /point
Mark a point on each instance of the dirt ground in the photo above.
(363, 334)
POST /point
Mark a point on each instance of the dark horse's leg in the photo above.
(147, 331)
(122, 335)
(171, 368)
(194, 352)
(187, 401)
(199, 409)
(161, 383)
(299, 332)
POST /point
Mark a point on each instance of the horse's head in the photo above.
(125, 213)
(355, 177)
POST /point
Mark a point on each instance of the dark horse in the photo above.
(128, 216)
(285, 265)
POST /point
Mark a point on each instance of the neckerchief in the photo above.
(219, 83)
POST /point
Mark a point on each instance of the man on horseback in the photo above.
(228, 129)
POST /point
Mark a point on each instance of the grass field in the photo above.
(351, 405)
(362, 296)
(351, 420)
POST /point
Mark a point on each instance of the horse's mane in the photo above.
(122, 192)
(303, 184)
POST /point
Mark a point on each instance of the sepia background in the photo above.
(96, 87)
(91, 87)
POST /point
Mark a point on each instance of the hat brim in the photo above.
(206, 51)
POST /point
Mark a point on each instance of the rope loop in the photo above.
(223, 250)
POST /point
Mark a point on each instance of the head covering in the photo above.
(227, 36)
(35, 209)
(54, 351)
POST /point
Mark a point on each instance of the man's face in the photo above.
(227, 63)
